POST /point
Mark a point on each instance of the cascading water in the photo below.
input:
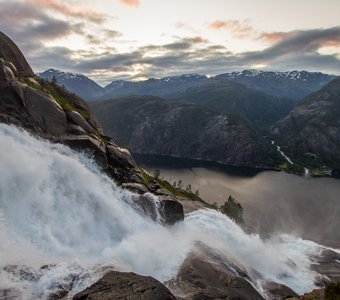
(65, 221)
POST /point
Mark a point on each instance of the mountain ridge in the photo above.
(77, 83)
(279, 84)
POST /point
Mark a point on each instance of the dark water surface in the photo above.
(273, 201)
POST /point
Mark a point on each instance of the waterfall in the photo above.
(64, 220)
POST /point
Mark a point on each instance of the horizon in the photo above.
(184, 74)
(138, 39)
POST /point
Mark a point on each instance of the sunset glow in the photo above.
(134, 39)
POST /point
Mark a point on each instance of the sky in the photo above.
(139, 39)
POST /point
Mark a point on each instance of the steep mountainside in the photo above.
(292, 84)
(310, 134)
(229, 97)
(151, 125)
(76, 83)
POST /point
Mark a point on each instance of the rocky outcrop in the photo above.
(151, 125)
(310, 134)
(51, 112)
(10, 52)
(276, 291)
(117, 285)
(205, 274)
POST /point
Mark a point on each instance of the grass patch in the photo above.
(59, 96)
(149, 179)
(30, 83)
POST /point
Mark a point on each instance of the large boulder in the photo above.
(205, 274)
(10, 52)
(117, 285)
(277, 291)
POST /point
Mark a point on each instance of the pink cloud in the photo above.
(132, 3)
(240, 29)
(272, 37)
(78, 12)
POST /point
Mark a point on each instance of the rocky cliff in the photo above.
(310, 134)
(53, 113)
(151, 125)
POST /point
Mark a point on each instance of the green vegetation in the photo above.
(293, 168)
(230, 208)
(233, 210)
(332, 291)
(174, 189)
(59, 95)
(52, 89)
(30, 83)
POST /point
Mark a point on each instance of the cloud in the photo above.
(33, 23)
(240, 29)
(76, 11)
(181, 44)
(112, 34)
(296, 50)
(298, 43)
(272, 37)
(131, 3)
(102, 37)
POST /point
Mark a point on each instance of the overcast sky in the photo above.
(138, 39)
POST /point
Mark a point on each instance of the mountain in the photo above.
(310, 134)
(164, 87)
(76, 83)
(151, 125)
(229, 97)
(292, 84)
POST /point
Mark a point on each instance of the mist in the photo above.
(60, 215)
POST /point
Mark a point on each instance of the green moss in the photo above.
(146, 176)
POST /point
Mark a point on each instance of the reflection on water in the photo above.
(273, 201)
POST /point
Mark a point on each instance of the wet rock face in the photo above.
(277, 291)
(172, 209)
(203, 275)
(117, 285)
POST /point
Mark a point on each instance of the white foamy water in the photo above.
(64, 220)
